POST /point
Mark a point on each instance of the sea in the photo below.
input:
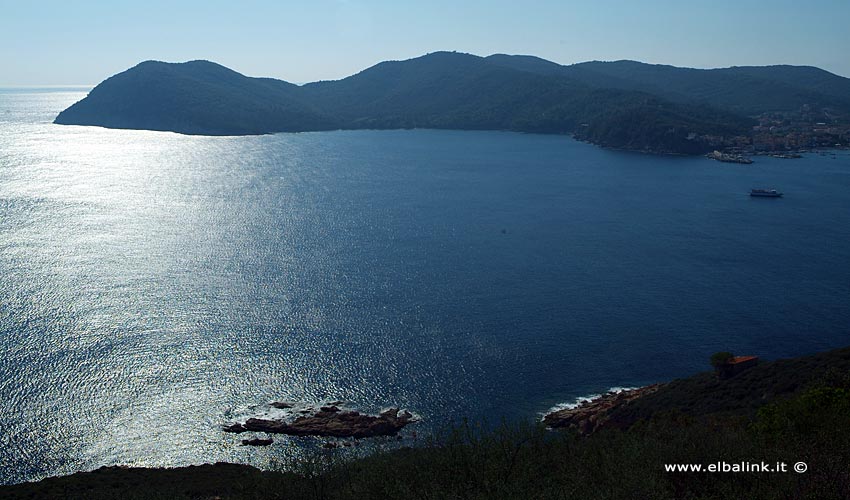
(155, 286)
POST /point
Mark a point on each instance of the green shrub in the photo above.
(719, 359)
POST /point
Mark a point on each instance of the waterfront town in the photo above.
(785, 134)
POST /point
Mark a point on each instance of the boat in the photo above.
(766, 193)
(786, 156)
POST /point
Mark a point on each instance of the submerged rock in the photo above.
(235, 428)
(257, 442)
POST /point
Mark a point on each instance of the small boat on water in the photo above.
(765, 193)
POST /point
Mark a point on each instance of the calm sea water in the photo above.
(154, 286)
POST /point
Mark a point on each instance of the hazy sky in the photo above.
(78, 42)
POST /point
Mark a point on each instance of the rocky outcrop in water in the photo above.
(330, 421)
(589, 416)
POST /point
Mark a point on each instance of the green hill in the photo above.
(748, 90)
(744, 90)
(197, 97)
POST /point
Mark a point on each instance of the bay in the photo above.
(154, 286)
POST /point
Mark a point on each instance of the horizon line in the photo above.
(10, 86)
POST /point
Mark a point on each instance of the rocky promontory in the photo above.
(590, 415)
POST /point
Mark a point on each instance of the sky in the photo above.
(83, 42)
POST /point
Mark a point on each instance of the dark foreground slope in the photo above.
(704, 396)
(785, 412)
(440, 90)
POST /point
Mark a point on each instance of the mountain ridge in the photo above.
(622, 104)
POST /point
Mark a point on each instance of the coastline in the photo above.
(550, 462)
(590, 414)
